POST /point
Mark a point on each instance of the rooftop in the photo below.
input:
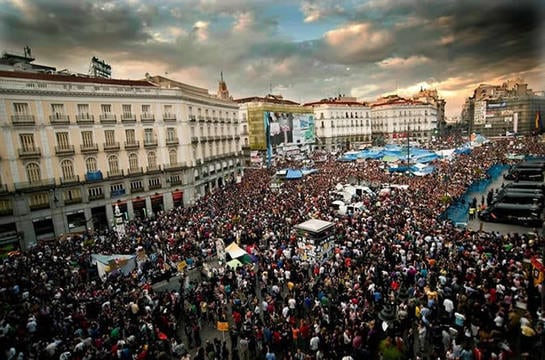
(72, 78)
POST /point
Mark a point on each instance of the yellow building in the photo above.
(74, 147)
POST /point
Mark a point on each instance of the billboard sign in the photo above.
(289, 128)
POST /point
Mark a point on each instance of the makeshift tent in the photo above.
(234, 251)
(109, 263)
(294, 174)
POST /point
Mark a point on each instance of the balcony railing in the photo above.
(147, 118)
(169, 117)
(175, 180)
(74, 200)
(155, 186)
(153, 169)
(194, 139)
(82, 119)
(200, 118)
(129, 145)
(96, 197)
(173, 141)
(30, 152)
(88, 148)
(150, 143)
(136, 171)
(139, 189)
(35, 185)
(107, 119)
(23, 119)
(115, 174)
(111, 146)
(128, 118)
(59, 119)
(65, 150)
(70, 180)
(39, 206)
(192, 118)
(175, 166)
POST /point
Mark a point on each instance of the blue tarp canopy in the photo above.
(294, 174)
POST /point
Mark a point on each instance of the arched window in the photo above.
(67, 169)
(133, 161)
(113, 164)
(91, 164)
(173, 156)
(33, 173)
(152, 159)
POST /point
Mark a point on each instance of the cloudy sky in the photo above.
(305, 50)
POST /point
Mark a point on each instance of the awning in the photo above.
(177, 195)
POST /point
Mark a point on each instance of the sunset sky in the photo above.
(304, 50)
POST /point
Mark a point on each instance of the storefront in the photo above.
(157, 203)
(139, 208)
(99, 218)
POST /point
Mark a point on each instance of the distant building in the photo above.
(397, 119)
(22, 62)
(496, 110)
(74, 147)
(342, 123)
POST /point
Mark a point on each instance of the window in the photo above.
(27, 142)
(146, 109)
(91, 164)
(109, 136)
(126, 109)
(67, 169)
(171, 134)
(152, 160)
(62, 140)
(33, 173)
(168, 109)
(21, 108)
(154, 183)
(87, 138)
(95, 192)
(106, 108)
(83, 109)
(133, 161)
(148, 136)
(130, 137)
(113, 164)
(173, 156)
(57, 110)
(137, 185)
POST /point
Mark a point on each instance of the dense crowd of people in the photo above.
(403, 283)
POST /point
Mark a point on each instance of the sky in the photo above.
(304, 50)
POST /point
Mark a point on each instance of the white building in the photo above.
(74, 147)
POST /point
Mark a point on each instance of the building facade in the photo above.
(396, 119)
(75, 147)
(342, 123)
(498, 110)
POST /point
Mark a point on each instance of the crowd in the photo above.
(402, 283)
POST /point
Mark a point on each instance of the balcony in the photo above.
(131, 145)
(194, 139)
(74, 179)
(167, 117)
(23, 120)
(128, 118)
(74, 200)
(147, 118)
(155, 186)
(153, 170)
(192, 118)
(150, 143)
(115, 174)
(35, 185)
(173, 141)
(111, 146)
(174, 167)
(139, 189)
(85, 119)
(59, 119)
(175, 180)
(29, 153)
(88, 148)
(65, 150)
(208, 118)
(136, 171)
(93, 176)
(96, 197)
(39, 206)
(200, 118)
(107, 119)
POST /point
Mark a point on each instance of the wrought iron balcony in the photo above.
(30, 152)
(96, 197)
(83, 119)
(153, 169)
(112, 146)
(136, 171)
(65, 150)
(147, 118)
(59, 119)
(150, 143)
(194, 139)
(88, 148)
(192, 118)
(131, 145)
(168, 117)
(173, 141)
(35, 185)
(74, 200)
(115, 174)
(155, 186)
(200, 118)
(74, 179)
(23, 119)
(175, 167)
(128, 118)
(107, 119)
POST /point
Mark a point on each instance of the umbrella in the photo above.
(233, 264)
